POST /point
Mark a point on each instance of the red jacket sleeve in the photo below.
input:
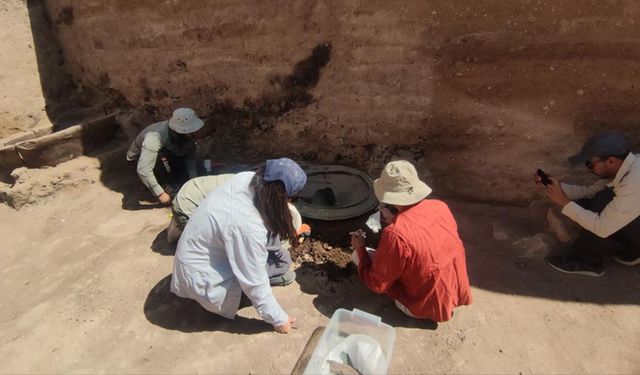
(388, 264)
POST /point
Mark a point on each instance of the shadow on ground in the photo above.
(508, 268)
(169, 311)
(120, 175)
(504, 267)
(341, 288)
(162, 246)
(498, 266)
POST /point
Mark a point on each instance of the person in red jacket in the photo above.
(420, 260)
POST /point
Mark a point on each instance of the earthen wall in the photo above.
(477, 93)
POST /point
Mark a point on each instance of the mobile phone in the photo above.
(544, 178)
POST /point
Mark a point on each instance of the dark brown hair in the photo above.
(271, 201)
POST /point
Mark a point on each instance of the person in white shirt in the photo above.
(608, 211)
(222, 253)
(191, 196)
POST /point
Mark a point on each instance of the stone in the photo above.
(557, 227)
(35, 186)
(536, 246)
(499, 231)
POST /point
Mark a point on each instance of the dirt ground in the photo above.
(22, 103)
(84, 280)
(84, 289)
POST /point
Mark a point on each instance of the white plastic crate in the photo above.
(365, 330)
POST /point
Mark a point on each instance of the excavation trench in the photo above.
(335, 201)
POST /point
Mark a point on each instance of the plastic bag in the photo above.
(360, 352)
(373, 222)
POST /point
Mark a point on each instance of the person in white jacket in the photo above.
(191, 196)
(608, 211)
(222, 253)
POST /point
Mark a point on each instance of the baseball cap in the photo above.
(609, 143)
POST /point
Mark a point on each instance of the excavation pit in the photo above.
(336, 192)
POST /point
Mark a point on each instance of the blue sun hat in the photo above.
(288, 172)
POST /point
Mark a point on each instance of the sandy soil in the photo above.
(84, 280)
(22, 104)
(84, 289)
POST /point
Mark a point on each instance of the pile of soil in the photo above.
(328, 249)
(334, 261)
(312, 250)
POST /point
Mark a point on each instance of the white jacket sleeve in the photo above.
(623, 209)
(575, 192)
(247, 256)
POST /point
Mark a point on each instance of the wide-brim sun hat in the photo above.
(185, 121)
(400, 185)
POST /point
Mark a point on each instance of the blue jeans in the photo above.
(278, 262)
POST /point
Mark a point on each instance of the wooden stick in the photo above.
(301, 364)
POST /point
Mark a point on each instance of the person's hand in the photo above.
(556, 194)
(285, 328)
(536, 178)
(164, 198)
(357, 239)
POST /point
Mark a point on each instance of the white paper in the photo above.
(373, 222)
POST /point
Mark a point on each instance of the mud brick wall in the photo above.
(478, 94)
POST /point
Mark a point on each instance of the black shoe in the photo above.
(573, 265)
(627, 259)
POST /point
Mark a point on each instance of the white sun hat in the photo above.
(399, 184)
(185, 121)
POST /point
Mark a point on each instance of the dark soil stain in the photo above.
(289, 92)
(228, 123)
(65, 16)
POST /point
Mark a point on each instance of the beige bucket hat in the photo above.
(185, 121)
(399, 184)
